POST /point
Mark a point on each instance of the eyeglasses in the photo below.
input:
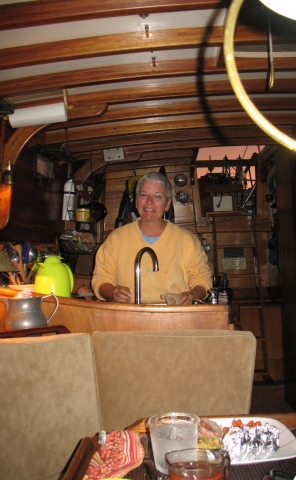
(156, 197)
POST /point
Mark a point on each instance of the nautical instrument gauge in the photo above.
(180, 180)
(182, 197)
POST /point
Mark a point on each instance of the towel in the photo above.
(121, 453)
(171, 298)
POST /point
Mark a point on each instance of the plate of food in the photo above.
(248, 440)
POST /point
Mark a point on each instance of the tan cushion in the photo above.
(48, 402)
(144, 373)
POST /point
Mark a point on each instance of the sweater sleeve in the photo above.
(105, 265)
(198, 268)
(114, 261)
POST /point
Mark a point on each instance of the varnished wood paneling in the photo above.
(45, 11)
(86, 316)
(116, 183)
(36, 211)
(114, 73)
(123, 43)
(286, 207)
(156, 125)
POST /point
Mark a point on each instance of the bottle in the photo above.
(224, 292)
(213, 297)
(216, 280)
(68, 199)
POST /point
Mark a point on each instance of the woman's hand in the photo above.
(121, 294)
(196, 292)
(117, 294)
(187, 298)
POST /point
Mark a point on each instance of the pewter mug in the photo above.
(26, 312)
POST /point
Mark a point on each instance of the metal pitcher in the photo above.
(26, 312)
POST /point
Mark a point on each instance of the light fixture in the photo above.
(41, 114)
(287, 8)
(236, 84)
(5, 204)
(6, 184)
(8, 176)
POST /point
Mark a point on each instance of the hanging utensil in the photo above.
(19, 249)
(33, 271)
(13, 255)
(33, 255)
(11, 252)
(33, 259)
(25, 256)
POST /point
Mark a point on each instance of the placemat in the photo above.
(254, 471)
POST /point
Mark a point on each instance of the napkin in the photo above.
(171, 298)
(121, 453)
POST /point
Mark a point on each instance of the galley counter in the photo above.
(87, 316)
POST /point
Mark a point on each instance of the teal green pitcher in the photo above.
(53, 276)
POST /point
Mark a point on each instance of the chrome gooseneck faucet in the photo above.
(138, 270)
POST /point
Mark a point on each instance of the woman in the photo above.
(183, 267)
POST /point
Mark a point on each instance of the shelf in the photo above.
(225, 214)
(223, 188)
(237, 245)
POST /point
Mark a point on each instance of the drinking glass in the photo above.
(198, 464)
(171, 431)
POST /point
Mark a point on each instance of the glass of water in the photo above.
(172, 431)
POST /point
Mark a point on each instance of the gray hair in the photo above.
(158, 178)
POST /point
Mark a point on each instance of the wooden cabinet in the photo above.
(219, 199)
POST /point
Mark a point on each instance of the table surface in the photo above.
(255, 471)
(146, 471)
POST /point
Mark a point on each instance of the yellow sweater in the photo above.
(182, 262)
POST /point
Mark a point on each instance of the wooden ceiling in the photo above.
(147, 76)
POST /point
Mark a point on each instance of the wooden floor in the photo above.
(269, 399)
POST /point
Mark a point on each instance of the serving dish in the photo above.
(287, 447)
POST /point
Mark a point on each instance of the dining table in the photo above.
(258, 470)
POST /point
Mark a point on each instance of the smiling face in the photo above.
(152, 201)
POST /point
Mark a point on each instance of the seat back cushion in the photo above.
(198, 371)
(48, 402)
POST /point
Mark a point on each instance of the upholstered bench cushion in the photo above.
(198, 371)
(48, 402)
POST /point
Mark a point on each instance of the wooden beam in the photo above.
(165, 124)
(84, 172)
(142, 71)
(89, 111)
(18, 141)
(80, 48)
(168, 91)
(180, 90)
(186, 108)
(234, 135)
(50, 11)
